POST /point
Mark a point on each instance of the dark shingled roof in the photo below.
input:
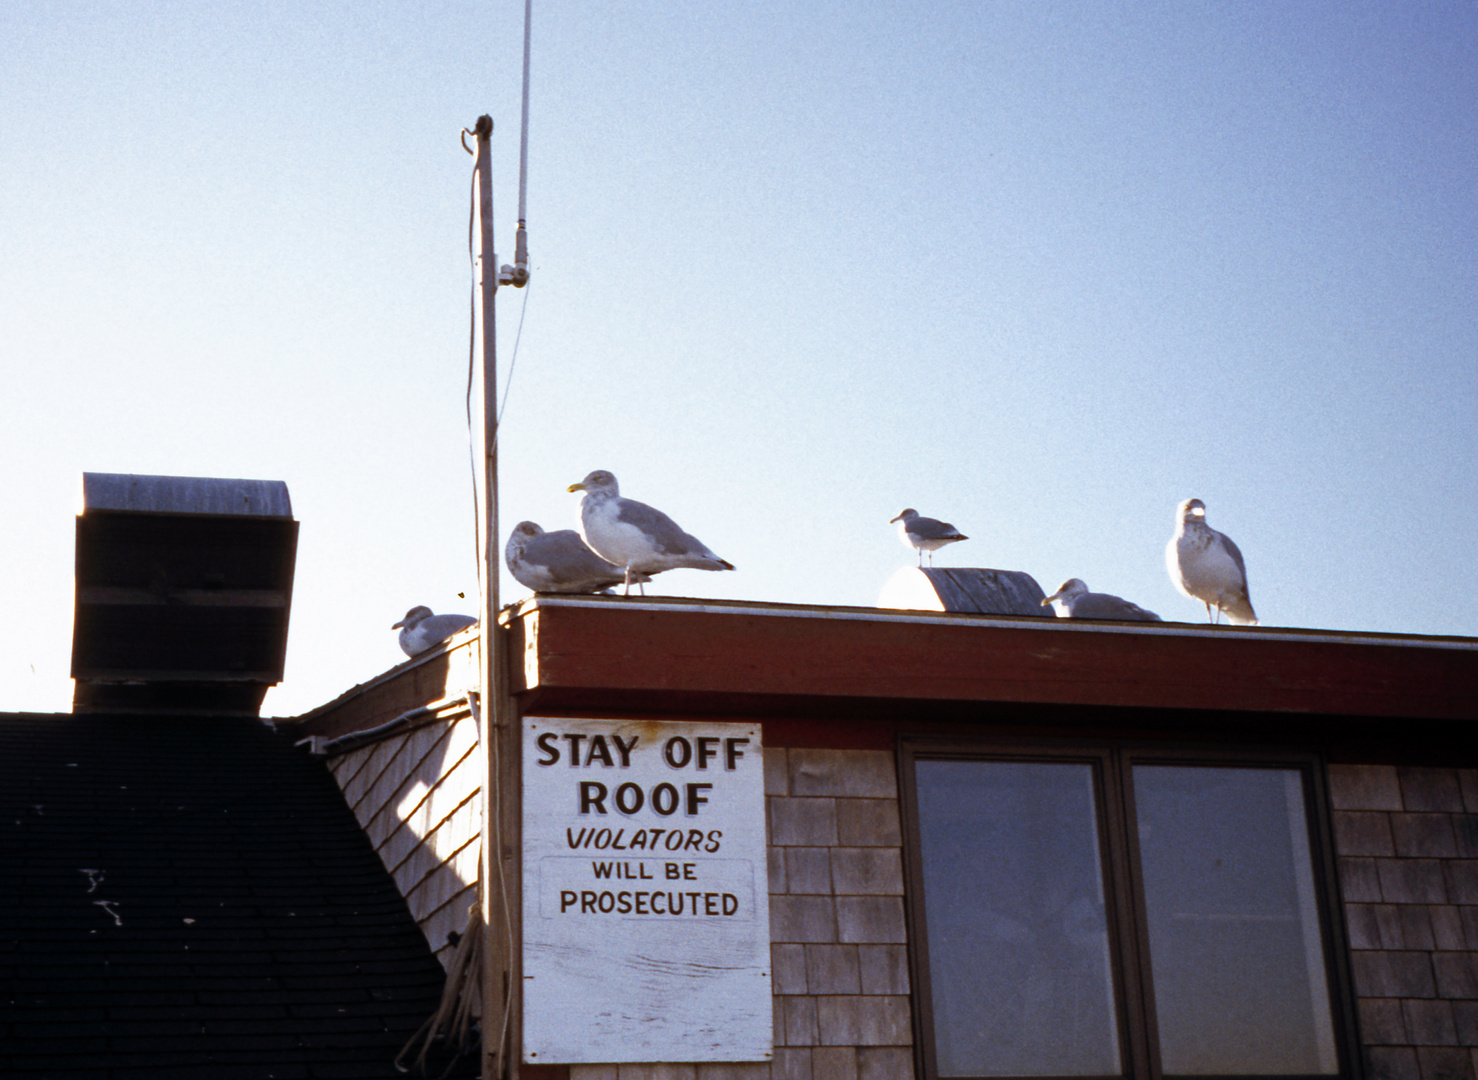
(185, 897)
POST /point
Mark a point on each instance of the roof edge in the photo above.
(1016, 622)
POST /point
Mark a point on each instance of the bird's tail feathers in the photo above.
(1239, 610)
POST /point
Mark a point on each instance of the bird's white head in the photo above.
(599, 482)
(1069, 589)
(413, 617)
(1190, 510)
(906, 515)
(523, 534)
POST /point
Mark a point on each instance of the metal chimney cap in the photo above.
(184, 495)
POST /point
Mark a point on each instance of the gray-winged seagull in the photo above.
(636, 537)
(925, 534)
(1072, 600)
(420, 629)
(559, 562)
(1206, 566)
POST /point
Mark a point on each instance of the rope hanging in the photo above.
(451, 1026)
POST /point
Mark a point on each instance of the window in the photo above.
(1120, 913)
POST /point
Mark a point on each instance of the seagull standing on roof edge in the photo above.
(636, 537)
(558, 562)
(1206, 566)
(1073, 600)
(925, 534)
(421, 630)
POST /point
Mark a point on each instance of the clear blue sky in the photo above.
(1039, 269)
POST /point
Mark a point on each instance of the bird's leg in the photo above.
(628, 580)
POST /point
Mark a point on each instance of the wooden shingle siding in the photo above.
(838, 943)
(418, 796)
(1407, 840)
(838, 952)
(713, 1070)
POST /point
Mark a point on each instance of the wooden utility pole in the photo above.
(501, 897)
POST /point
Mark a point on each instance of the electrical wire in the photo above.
(523, 311)
(512, 360)
(472, 361)
(486, 713)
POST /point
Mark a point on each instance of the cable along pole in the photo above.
(500, 872)
(499, 897)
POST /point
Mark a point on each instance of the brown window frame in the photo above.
(1126, 912)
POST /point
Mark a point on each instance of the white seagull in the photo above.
(925, 534)
(1072, 600)
(1206, 566)
(420, 629)
(638, 538)
(559, 562)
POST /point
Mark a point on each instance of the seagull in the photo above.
(420, 629)
(1206, 566)
(925, 534)
(1072, 600)
(638, 538)
(559, 562)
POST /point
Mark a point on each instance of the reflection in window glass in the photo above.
(1235, 949)
(1019, 971)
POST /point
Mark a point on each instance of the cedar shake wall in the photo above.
(1407, 840)
(418, 797)
(839, 948)
(839, 953)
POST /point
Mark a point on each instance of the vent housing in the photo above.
(183, 590)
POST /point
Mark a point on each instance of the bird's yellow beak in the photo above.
(575, 487)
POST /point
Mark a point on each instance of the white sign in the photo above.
(646, 916)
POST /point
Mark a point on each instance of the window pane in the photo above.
(1019, 971)
(1235, 949)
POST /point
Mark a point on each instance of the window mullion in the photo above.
(1131, 929)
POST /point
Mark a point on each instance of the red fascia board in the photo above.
(576, 651)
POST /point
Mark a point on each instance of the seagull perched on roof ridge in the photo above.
(925, 534)
(636, 537)
(559, 562)
(1206, 566)
(420, 629)
(1073, 600)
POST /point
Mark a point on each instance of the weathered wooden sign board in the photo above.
(646, 918)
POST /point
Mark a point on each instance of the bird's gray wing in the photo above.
(664, 533)
(567, 555)
(569, 565)
(1233, 551)
(931, 529)
(1101, 606)
(441, 627)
